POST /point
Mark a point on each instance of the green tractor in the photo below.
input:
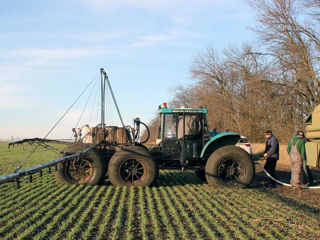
(184, 142)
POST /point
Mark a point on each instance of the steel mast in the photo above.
(104, 79)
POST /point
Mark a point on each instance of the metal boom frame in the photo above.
(15, 176)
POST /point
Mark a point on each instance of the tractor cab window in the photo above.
(205, 124)
(170, 122)
(177, 125)
(192, 126)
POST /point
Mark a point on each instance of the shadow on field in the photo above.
(283, 174)
(170, 178)
(177, 178)
(306, 199)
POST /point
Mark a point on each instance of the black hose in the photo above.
(148, 132)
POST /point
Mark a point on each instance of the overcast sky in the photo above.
(50, 50)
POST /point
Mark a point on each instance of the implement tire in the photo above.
(132, 166)
(89, 170)
(229, 166)
(61, 176)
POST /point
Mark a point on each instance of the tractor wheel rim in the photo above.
(81, 170)
(229, 171)
(132, 171)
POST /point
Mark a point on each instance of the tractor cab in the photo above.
(182, 131)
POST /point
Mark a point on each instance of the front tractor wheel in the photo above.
(229, 166)
(132, 166)
(88, 169)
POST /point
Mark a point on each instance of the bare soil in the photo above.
(283, 173)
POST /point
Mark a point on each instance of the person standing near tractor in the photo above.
(271, 153)
(297, 151)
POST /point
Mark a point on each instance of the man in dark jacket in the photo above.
(271, 153)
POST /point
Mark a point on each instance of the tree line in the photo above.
(273, 83)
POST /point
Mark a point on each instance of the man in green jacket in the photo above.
(297, 151)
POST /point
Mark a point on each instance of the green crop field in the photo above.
(178, 206)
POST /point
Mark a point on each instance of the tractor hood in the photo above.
(218, 140)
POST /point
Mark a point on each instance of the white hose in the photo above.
(282, 183)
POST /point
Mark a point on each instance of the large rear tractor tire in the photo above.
(229, 166)
(132, 166)
(88, 169)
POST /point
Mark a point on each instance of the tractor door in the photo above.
(190, 132)
(181, 130)
(168, 134)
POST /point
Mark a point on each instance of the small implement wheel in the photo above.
(229, 166)
(80, 170)
(88, 169)
(132, 166)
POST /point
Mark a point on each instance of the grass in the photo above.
(178, 206)
(12, 157)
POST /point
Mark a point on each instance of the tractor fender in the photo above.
(219, 140)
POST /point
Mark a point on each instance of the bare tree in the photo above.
(273, 85)
(292, 45)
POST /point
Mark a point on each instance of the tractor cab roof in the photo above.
(163, 109)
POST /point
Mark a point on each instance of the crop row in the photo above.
(179, 206)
